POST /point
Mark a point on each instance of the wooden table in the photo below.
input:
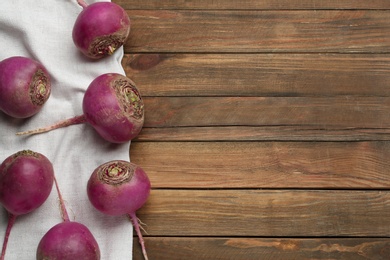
(267, 127)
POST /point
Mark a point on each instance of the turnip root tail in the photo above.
(82, 3)
(64, 212)
(137, 228)
(67, 122)
(11, 221)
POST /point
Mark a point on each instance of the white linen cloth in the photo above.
(42, 30)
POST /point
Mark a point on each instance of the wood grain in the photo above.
(259, 74)
(320, 112)
(253, 4)
(172, 248)
(267, 127)
(205, 165)
(267, 213)
(261, 133)
(350, 31)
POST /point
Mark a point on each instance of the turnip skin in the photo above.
(25, 86)
(117, 188)
(100, 29)
(26, 180)
(121, 194)
(68, 241)
(113, 106)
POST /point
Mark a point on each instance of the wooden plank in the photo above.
(259, 31)
(267, 213)
(319, 112)
(264, 164)
(259, 74)
(171, 248)
(261, 133)
(253, 4)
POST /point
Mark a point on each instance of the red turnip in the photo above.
(100, 29)
(120, 188)
(113, 106)
(26, 180)
(24, 86)
(68, 240)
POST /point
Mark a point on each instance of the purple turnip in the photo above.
(113, 106)
(24, 86)
(26, 180)
(100, 29)
(120, 188)
(68, 240)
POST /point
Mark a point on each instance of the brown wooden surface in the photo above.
(168, 248)
(253, 4)
(270, 74)
(267, 213)
(267, 128)
(209, 31)
(203, 165)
